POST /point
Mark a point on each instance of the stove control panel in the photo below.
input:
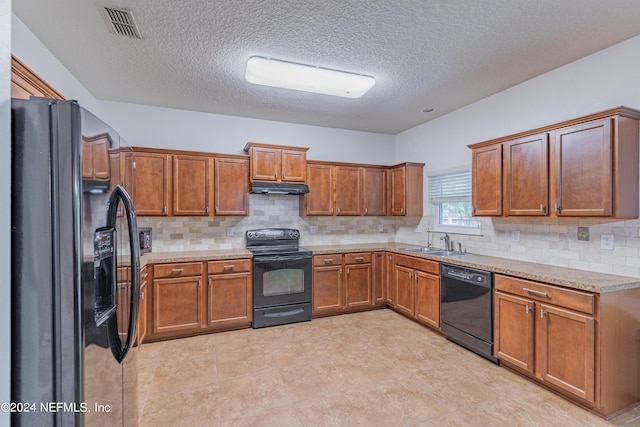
(273, 234)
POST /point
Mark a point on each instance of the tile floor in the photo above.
(374, 368)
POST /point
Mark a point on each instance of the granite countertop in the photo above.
(562, 276)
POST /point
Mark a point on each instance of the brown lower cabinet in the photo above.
(142, 309)
(187, 299)
(416, 284)
(229, 294)
(581, 344)
(345, 283)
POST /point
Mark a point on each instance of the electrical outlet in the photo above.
(230, 231)
(606, 241)
(380, 228)
(313, 229)
(583, 234)
(515, 235)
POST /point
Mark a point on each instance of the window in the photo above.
(450, 195)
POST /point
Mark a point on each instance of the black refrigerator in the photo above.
(75, 270)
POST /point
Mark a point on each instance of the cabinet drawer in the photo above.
(432, 267)
(229, 266)
(333, 259)
(358, 258)
(576, 300)
(177, 270)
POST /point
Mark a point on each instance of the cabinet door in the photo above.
(379, 277)
(375, 191)
(427, 298)
(583, 169)
(527, 175)
(327, 290)
(348, 190)
(229, 300)
(294, 165)
(486, 178)
(398, 191)
(358, 286)
(176, 305)
(191, 185)
(151, 183)
(231, 184)
(265, 164)
(513, 330)
(319, 200)
(390, 283)
(565, 344)
(404, 290)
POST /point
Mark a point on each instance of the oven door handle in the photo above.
(285, 313)
(280, 258)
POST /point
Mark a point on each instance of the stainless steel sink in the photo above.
(433, 251)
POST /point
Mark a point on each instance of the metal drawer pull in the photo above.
(527, 309)
(328, 261)
(359, 258)
(229, 267)
(542, 313)
(177, 270)
(533, 291)
(144, 276)
(543, 208)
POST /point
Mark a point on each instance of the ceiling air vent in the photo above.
(122, 22)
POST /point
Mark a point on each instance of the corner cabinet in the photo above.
(405, 189)
(587, 167)
(275, 163)
(346, 283)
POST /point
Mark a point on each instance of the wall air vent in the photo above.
(122, 22)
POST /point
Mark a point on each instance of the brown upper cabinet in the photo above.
(277, 163)
(231, 186)
(349, 198)
(586, 167)
(374, 191)
(527, 175)
(192, 185)
(406, 189)
(25, 83)
(147, 178)
(185, 183)
(357, 189)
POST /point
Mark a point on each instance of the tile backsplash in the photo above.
(546, 241)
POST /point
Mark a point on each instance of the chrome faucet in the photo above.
(446, 239)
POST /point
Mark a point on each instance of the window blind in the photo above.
(451, 187)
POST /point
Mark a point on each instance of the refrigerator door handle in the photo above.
(117, 348)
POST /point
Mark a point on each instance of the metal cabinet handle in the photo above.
(527, 309)
(328, 261)
(401, 210)
(164, 209)
(206, 210)
(340, 271)
(177, 270)
(543, 208)
(558, 208)
(229, 267)
(347, 270)
(359, 258)
(542, 313)
(276, 174)
(141, 295)
(365, 210)
(533, 291)
(338, 211)
(144, 276)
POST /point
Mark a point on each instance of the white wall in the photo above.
(160, 127)
(604, 80)
(29, 49)
(5, 202)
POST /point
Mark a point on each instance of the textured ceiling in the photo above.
(440, 54)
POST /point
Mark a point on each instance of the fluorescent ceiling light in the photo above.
(289, 75)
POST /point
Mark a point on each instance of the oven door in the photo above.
(281, 280)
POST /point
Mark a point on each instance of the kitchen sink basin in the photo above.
(434, 251)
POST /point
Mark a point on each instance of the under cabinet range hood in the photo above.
(278, 188)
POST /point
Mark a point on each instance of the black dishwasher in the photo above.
(466, 308)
